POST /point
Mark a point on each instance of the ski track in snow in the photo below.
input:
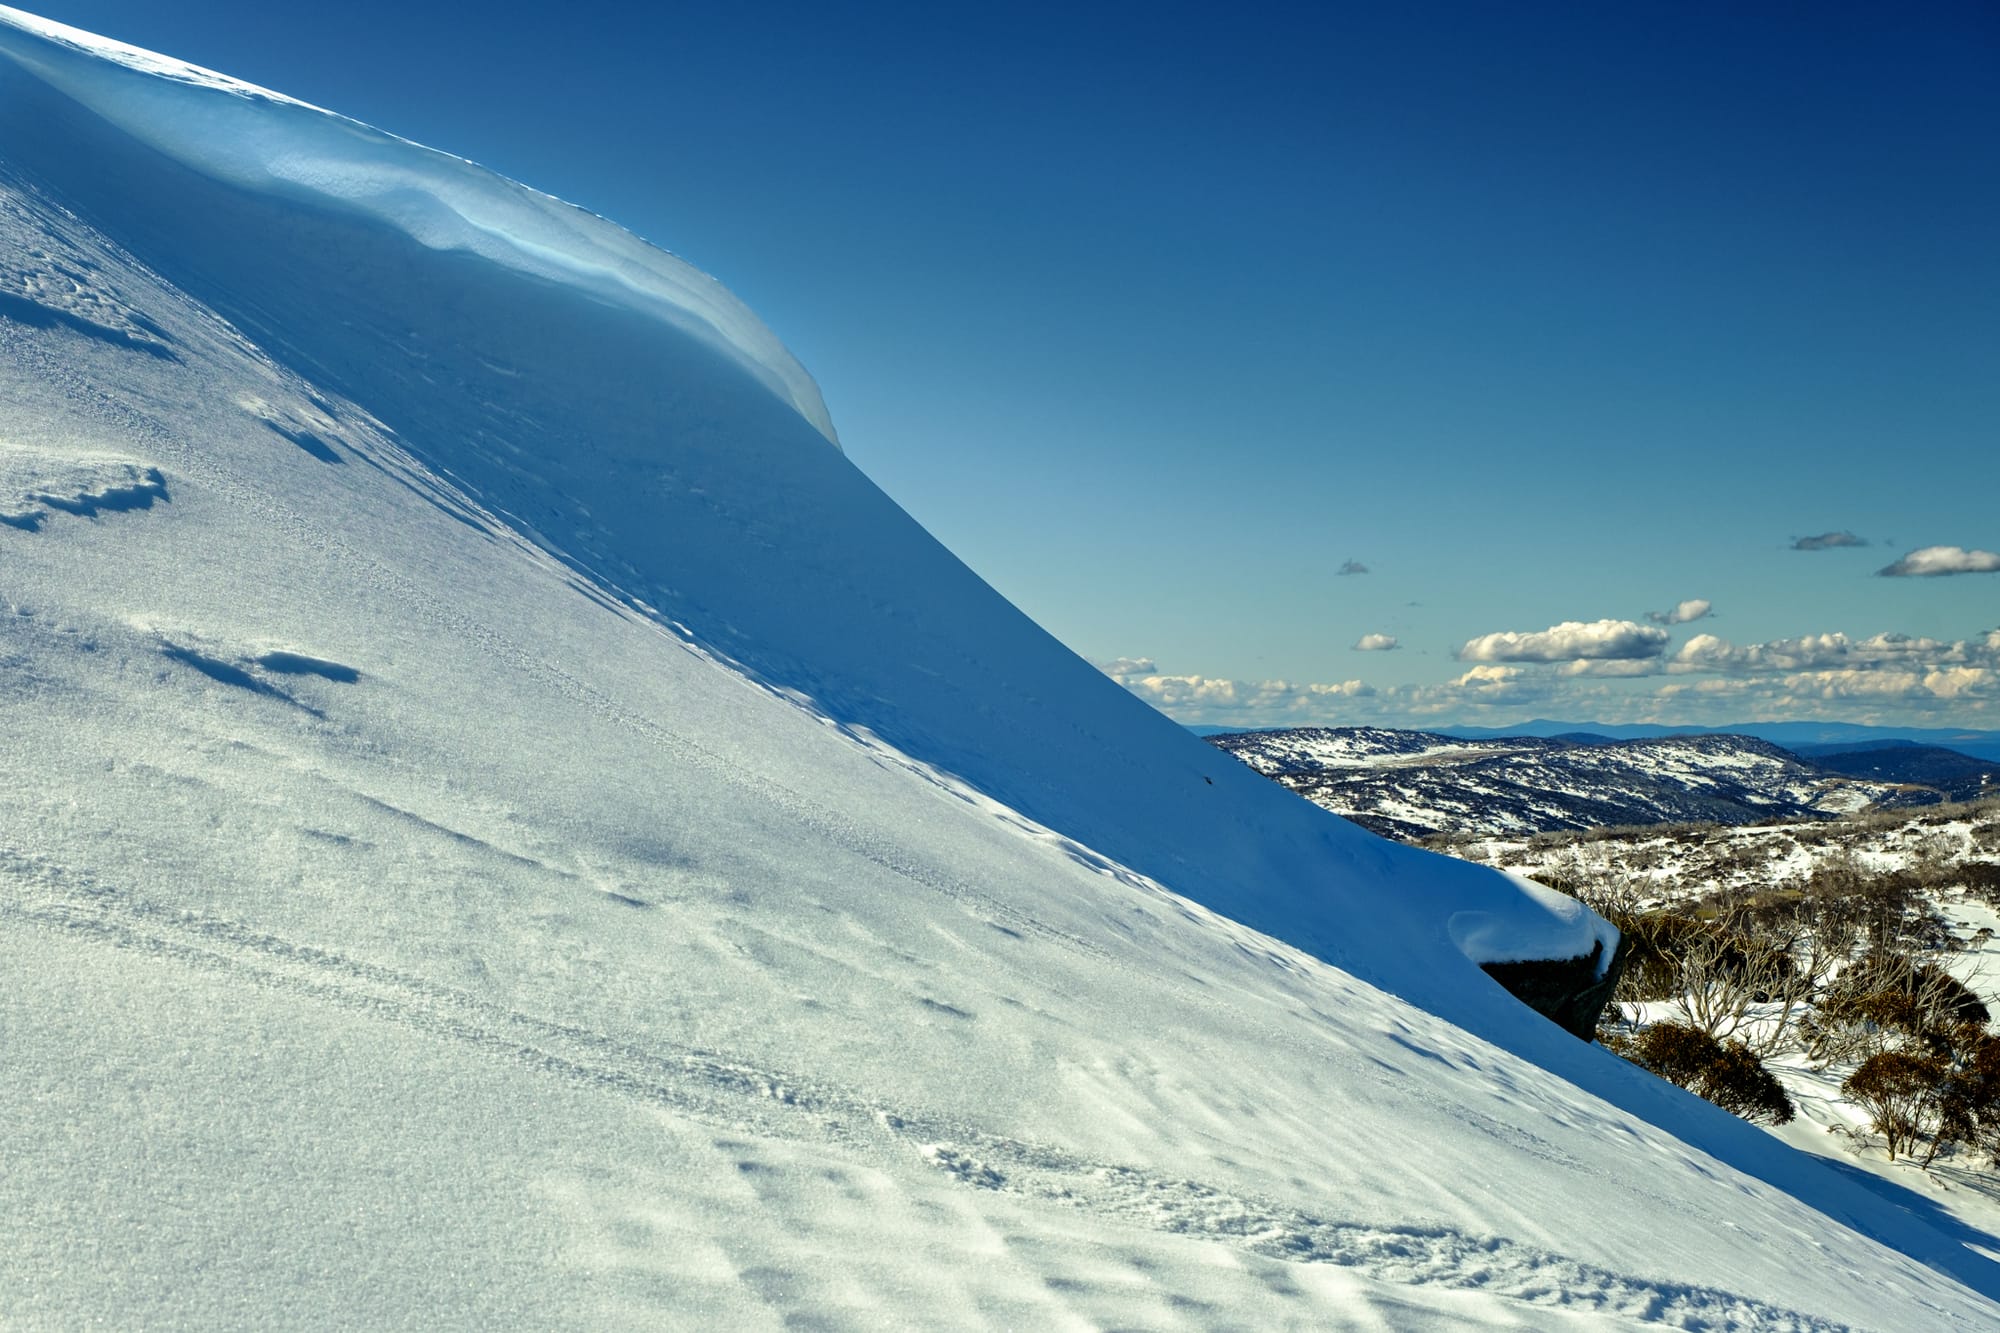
(739, 1097)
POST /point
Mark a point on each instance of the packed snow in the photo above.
(501, 824)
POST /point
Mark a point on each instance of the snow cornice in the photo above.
(263, 141)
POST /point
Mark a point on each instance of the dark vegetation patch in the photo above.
(1725, 1073)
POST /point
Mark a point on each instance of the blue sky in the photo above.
(1545, 314)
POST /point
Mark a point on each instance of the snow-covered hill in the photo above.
(1921, 773)
(1414, 784)
(1798, 737)
(502, 824)
(1679, 864)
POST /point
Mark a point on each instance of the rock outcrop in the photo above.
(1569, 991)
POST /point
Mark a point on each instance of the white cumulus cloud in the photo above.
(1616, 667)
(1488, 685)
(1931, 561)
(1959, 681)
(1120, 667)
(1194, 698)
(1815, 652)
(1838, 677)
(1376, 643)
(1572, 640)
(1810, 676)
(1694, 608)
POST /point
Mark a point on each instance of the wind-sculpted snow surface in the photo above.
(500, 825)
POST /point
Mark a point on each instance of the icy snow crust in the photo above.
(515, 830)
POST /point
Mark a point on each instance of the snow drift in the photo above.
(501, 822)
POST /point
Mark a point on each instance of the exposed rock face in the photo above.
(1567, 991)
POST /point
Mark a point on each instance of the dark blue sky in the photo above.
(1158, 315)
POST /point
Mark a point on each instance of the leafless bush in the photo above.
(1724, 1072)
(1931, 1100)
(1891, 908)
(1981, 878)
(1902, 1093)
(1890, 1003)
(1735, 978)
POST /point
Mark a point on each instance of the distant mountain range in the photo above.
(1958, 776)
(1414, 784)
(1792, 735)
(1799, 737)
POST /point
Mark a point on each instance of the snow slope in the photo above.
(502, 823)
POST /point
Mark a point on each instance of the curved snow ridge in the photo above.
(264, 141)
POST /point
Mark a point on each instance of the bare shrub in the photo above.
(1932, 855)
(1725, 1073)
(1659, 940)
(1981, 878)
(1722, 971)
(1971, 1103)
(1890, 1003)
(1924, 1102)
(1891, 909)
(1903, 1095)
